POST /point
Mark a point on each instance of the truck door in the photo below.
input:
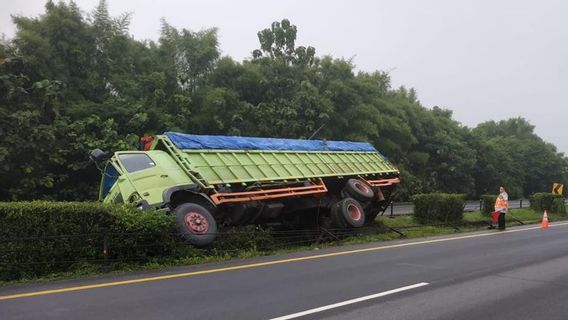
(148, 177)
(108, 186)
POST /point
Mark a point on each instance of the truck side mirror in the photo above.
(98, 155)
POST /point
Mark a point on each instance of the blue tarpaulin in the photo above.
(193, 141)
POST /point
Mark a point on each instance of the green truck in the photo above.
(206, 181)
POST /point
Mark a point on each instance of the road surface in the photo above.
(521, 273)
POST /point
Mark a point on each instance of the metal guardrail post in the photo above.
(480, 204)
(392, 209)
(521, 203)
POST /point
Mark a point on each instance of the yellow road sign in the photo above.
(557, 188)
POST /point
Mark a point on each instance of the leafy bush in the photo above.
(488, 204)
(245, 238)
(558, 206)
(545, 201)
(438, 207)
(40, 238)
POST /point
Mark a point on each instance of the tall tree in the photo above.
(70, 83)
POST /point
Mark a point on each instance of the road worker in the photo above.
(502, 205)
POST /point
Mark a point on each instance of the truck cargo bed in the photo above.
(235, 166)
(225, 166)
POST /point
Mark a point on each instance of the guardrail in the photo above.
(407, 208)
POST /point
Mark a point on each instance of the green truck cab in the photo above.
(140, 177)
(206, 181)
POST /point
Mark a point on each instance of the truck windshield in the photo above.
(133, 162)
(109, 178)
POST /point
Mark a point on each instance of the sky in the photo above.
(484, 59)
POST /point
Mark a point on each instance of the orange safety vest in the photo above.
(146, 142)
(500, 203)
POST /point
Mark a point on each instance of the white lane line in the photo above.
(352, 301)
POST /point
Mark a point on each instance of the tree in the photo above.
(279, 42)
(192, 55)
(69, 84)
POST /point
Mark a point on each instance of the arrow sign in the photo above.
(557, 188)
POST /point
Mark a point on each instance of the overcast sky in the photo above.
(483, 59)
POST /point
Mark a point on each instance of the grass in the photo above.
(382, 231)
(473, 221)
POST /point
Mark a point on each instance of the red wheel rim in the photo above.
(196, 222)
(354, 212)
(362, 187)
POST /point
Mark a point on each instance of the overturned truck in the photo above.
(206, 181)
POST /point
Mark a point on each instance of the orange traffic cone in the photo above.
(544, 223)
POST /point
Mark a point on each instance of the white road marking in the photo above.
(352, 301)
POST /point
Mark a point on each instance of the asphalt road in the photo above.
(518, 274)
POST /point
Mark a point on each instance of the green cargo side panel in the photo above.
(211, 167)
(237, 166)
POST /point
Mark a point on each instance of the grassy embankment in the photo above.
(473, 221)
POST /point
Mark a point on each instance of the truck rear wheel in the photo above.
(351, 212)
(359, 190)
(196, 224)
(337, 217)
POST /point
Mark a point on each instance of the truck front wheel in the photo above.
(196, 224)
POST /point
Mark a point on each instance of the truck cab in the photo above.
(140, 178)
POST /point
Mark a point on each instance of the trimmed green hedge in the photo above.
(438, 207)
(558, 206)
(38, 238)
(488, 204)
(547, 201)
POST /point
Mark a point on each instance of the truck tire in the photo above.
(337, 220)
(196, 224)
(351, 212)
(359, 190)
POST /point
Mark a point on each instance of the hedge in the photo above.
(547, 201)
(438, 207)
(488, 204)
(558, 206)
(39, 238)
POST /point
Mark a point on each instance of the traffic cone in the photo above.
(544, 223)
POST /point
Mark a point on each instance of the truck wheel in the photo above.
(352, 213)
(196, 224)
(336, 217)
(359, 190)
